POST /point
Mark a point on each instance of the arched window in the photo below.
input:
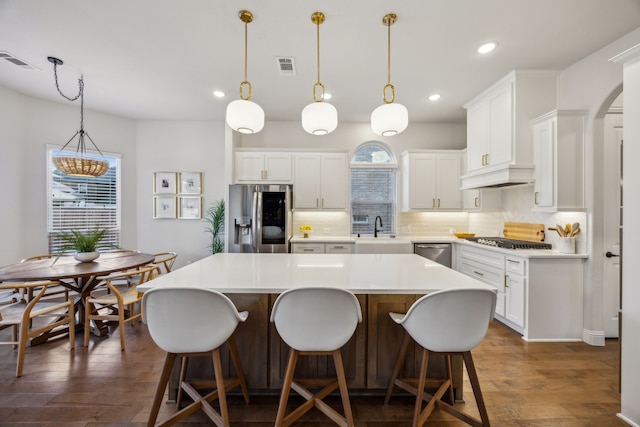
(373, 188)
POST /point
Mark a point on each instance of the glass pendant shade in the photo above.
(389, 119)
(319, 118)
(245, 116)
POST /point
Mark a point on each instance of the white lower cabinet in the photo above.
(322, 248)
(541, 298)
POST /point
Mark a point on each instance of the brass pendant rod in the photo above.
(389, 51)
(318, 47)
(245, 50)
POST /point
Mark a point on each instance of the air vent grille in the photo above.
(16, 61)
(286, 65)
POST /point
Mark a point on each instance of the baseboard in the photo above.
(595, 338)
(627, 420)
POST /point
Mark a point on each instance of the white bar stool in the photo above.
(315, 321)
(186, 322)
(450, 322)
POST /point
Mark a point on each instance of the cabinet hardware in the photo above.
(338, 247)
(307, 250)
(478, 273)
(610, 254)
(506, 281)
(486, 159)
(438, 202)
(475, 202)
(535, 198)
(317, 203)
(322, 202)
(433, 203)
(513, 261)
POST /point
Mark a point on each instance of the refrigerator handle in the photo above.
(256, 220)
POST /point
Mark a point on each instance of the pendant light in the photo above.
(244, 115)
(78, 162)
(390, 118)
(319, 117)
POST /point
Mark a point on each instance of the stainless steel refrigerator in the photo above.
(260, 218)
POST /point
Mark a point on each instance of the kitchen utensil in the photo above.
(575, 231)
(560, 230)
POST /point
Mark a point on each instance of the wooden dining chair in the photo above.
(165, 260)
(22, 315)
(52, 290)
(116, 298)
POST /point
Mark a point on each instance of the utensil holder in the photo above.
(567, 245)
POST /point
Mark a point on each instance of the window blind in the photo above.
(80, 203)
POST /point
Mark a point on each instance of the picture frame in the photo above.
(164, 183)
(164, 207)
(190, 182)
(190, 207)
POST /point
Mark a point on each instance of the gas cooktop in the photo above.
(503, 242)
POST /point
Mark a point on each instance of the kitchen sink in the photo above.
(383, 245)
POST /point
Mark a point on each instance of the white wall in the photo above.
(180, 146)
(30, 125)
(12, 214)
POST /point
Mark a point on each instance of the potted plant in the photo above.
(85, 244)
(215, 219)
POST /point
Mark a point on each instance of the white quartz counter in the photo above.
(274, 273)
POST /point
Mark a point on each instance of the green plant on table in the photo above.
(79, 241)
(215, 219)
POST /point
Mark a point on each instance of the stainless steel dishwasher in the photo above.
(438, 252)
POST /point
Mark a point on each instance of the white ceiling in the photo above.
(161, 59)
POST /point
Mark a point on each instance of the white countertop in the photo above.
(274, 273)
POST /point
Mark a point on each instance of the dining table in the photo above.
(79, 277)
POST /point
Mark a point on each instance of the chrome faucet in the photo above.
(375, 226)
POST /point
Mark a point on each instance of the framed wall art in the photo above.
(190, 207)
(190, 182)
(164, 207)
(164, 183)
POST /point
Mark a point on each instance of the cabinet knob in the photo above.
(610, 254)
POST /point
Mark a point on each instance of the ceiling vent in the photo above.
(15, 61)
(286, 65)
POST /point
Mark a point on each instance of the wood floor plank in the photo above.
(524, 384)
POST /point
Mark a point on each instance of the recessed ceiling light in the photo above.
(487, 47)
(219, 94)
(434, 97)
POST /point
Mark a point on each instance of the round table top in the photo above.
(66, 267)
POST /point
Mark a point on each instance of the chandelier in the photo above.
(78, 162)
(244, 115)
(390, 118)
(319, 118)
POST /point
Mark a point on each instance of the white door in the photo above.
(611, 213)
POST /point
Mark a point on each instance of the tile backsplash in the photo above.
(517, 205)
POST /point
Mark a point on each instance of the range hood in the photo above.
(498, 176)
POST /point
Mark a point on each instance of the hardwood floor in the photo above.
(524, 384)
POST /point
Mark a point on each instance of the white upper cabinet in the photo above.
(559, 139)
(499, 140)
(431, 180)
(263, 167)
(321, 181)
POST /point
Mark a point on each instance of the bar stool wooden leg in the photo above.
(286, 386)
(184, 363)
(235, 356)
(475, 385)
(162, 385)
(222, 395)
(342, 383)
(396, 370)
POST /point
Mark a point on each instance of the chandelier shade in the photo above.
(390, 118)
(78, 162)
(244, 115)
(319, 117)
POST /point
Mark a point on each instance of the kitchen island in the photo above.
(382, 283)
